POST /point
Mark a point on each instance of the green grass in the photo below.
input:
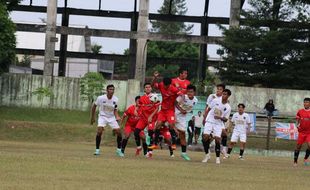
(41, 165)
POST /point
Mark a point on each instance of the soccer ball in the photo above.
(154, 98)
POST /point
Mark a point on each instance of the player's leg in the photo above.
(217, 136)
(306, 158)
(224, 142)
(301, 139)
(127, 132)
(118, 133)
(181, 126)
(144, 145)
(233, 141)
(167, 138)
(242, 145)
(160, 121)
(102, 122)
(139, 127)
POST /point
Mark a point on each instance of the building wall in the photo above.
(17, 90)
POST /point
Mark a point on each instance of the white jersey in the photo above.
(198, 121)
(241, 122)
(107, 106)
(211, 97)
(218, 109)
(185, 103)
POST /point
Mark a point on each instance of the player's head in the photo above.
(307, 103)
(183, 72)
(147, 88)
(193, 118)
(199, 113)
(167, 81)
(137, 98)
(226, 94)
(190, 91)
(241, 108)
(270, 101)
(110, 89)
(219, 89)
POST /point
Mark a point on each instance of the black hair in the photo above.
(110, 86)
(221, 85)
(147, 83)
(243, 106)
(182, 69)
(191, 87)
(137, 98)
(228, 91)
(307, 100)
(167, 81)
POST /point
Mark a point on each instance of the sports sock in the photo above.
(229, 150)
(157, 133)
(241, 152)
(307, 154)
(171, 150)
(217, 149)
(137, 137)
(296, 154)
(173, 136)
(98, 141)
(124, 144)
(151, 135)
(206, 145)
(119, 141)
(145, 149)
(183, 147)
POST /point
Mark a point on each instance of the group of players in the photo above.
(167, 119)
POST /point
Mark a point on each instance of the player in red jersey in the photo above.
(181, 81)
(169, 94)
(147, 112)
(303, 125)
(132, 116)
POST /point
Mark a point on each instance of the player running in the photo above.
(132, 116)
(303, 125)
(242, 123)
(183, 105)
(108, 115)
(218, 112)
(147, 112)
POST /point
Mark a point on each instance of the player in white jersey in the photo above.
(183, 105)
(218, 113)
(108, 115)
(242, 123)
(218, 94)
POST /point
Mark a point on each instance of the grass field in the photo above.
(52, 149)
(27, 165)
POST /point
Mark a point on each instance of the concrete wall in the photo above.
(17, 90)
(286, 101)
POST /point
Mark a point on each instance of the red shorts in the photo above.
(166, 115)
(165, 133)
(128, 129)
(143, 123)
(303, 137)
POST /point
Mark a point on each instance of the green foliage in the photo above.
(96, 49)
(164, 70)
(7, 38)
(268, 56)
(206, 86)
(42, 92)
(91, 85)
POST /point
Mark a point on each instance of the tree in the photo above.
(7, 37)
(171, 49)
(271, 56)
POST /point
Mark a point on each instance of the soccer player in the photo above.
(242, 123)
(169, 94)
(218, 94)
(108, 115)
(181, 81)
(198, 125)
(303, 125)
(132, 116)
(147, 112)
(183, 105)
(218, 113)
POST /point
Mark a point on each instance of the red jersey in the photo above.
(180, 84)
(132, 115)
(146, 107)
(169, 95)
(303, 116)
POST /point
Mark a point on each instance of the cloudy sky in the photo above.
(219, 8)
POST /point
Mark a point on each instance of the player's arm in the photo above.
(93, 111)
(117, 117)
(177, 105)
(124, 117)
(152, 115)
(154, 82)
(297, 120)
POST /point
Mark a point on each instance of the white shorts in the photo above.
(180, 123)
(236, 135)
(103, 121)
(215, 129)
